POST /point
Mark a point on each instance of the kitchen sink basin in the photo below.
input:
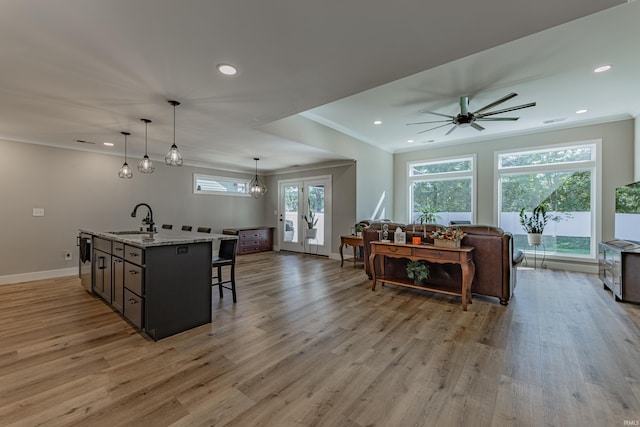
(131, 232)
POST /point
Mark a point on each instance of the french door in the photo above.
(304, 215)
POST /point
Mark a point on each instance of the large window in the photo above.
(207, 184)
(445, 187)
(561, 178)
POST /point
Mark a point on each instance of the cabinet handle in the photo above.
(133, 272)
(133, 254)
(132, 301)
(101, 265)
(117, 261)
(119, 249)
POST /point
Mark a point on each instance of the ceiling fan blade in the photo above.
(497, 102)
(499, 119)
(504, 110)
(476, 126)
(424, 123)
(423, 131)
(451, 130)
(437, 114)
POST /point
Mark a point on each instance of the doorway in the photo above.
(304, 215)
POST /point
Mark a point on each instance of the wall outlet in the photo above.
(67, 256)
(38, 211)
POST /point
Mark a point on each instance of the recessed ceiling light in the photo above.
(410, 140)
(377, 122)
(602, 69)
(108, 144)
(227, 70)
(581, 111)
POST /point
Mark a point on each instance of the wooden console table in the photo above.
(354, 242)
(462, 256)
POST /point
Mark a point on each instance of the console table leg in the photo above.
(341, 257)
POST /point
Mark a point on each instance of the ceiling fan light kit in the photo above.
(173, 157)
(466, 119)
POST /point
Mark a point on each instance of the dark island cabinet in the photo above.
(161, 290)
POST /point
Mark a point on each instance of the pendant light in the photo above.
(145, 165)
(125, 170)
(257, 188)
(173, 157)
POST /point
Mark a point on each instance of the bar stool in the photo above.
(226, 256)
(186, 228)
(204, 229)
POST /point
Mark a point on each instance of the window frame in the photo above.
(443, 176)
(594, 165)
(244, 181)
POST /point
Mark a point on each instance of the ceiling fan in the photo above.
(465, 118)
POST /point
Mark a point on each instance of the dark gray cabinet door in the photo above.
(102, 274)
(118, 284)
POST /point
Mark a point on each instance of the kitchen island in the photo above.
(160, 282)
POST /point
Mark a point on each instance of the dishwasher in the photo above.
(84, 261)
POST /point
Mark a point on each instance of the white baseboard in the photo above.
(38, 275)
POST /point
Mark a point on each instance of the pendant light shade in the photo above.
(145, 165)
(125, 171)
(257, 188)
(173, 157)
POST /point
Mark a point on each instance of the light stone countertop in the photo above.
(161, 238)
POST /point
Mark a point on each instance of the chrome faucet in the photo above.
(149, 218)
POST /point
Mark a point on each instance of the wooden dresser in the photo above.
(252, 239)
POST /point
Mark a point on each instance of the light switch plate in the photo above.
(38, 211)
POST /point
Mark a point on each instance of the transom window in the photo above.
(561, 178)
(207, 184)
(444, 187)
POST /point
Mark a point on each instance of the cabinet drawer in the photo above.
(134, 255)
(393, 250)
(134, 278)
(247, 249)
(118, 249)
(102, 244)
(133, 308)
(435, 253)
(253, 234)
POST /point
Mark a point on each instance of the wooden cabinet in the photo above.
(619, 269)
(102, 268)
(250, 240)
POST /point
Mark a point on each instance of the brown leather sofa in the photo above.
(494, 256)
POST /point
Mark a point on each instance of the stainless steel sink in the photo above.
(131, 232)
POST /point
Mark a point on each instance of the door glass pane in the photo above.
(315, 214)
(291, 216)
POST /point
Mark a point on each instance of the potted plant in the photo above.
(311, 221)
(359, 230)
(534, 224)
(418, 271)
(427, 215)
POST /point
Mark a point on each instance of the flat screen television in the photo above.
(627, 218)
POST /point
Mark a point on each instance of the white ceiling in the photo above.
(89, 69)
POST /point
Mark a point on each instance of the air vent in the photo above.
(82, 141)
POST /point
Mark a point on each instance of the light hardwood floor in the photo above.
(308, 343)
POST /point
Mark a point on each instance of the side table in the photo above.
(535, 255)
(354, 242)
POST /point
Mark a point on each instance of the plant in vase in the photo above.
(358, 230)
(418, 271)
(311, 221)
(534, 224)
(449, 237)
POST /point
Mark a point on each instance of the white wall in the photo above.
(82, 190)
(374, 174)
(636, 152)
(617, 166)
